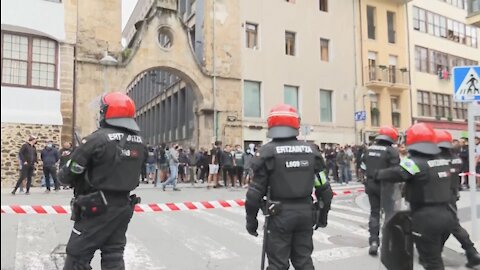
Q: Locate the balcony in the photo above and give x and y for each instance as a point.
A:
(383, 76)
(398, 2)
(473, 9)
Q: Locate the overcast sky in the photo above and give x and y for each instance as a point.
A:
(127, 8)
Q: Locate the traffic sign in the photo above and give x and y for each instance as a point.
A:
(360, 116)
(466, 83)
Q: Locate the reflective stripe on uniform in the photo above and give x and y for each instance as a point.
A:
(410, 166)
(322, 180)
(75, 167)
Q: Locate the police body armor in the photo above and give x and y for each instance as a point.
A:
(379, 157)
(294, 170)
(117, 169)
(455, 169)
(430, 185)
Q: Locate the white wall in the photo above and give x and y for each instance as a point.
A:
(39, 17)
(30, 106)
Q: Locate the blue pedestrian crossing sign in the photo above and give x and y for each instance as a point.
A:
(360, 116)
(466, 83)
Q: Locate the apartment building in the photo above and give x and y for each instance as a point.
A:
(440, 39)
(384, 93)
(308, 63)
(299, 53)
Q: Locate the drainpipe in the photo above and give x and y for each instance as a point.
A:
(409, 62)
(361, 65)
(214, 76)
(74, 93)
(75, 82)
(355, 68)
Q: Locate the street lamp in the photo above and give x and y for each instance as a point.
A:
(370, 94)
(107, 61)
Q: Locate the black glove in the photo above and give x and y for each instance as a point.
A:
(252, 225)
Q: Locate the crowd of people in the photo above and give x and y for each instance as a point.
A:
(219, 166)
(168, 165)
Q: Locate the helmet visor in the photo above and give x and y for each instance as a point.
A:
(127, 123)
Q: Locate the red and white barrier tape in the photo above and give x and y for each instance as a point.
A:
(467, 174)
(143, 208)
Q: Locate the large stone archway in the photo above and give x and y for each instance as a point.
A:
(146, 53)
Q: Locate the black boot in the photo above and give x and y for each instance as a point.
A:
(373, 250)
(14, 191)
(473, 258)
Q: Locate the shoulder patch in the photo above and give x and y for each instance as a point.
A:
(410, 166)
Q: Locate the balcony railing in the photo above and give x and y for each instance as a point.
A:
(388, 75)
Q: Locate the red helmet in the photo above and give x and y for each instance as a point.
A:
(444, 139)
(118, 110)
(283, 122)
(421, 138)
(387, 133)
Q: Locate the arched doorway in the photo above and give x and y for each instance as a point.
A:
(165, 106)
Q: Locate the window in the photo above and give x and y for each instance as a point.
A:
(251, 99)
(471, 36)
(438, 63)
(423, 102)
(324, 50)
(430, 23)
(421, 58)
(289, 43)
(251, 31)
(290, 96)
(391, 26)
(443, 27)
(325, 106)
(459, 110)
(374, 112)
(419, 19)
(28, 61)
(392, 68)
(372, 63)
(371, 21)
(441, 105)
(395, 111)
(323, 5)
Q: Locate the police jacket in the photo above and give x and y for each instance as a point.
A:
(455, 169)
(111, 158)
(428, 179)
(380, 156)
(289, 167)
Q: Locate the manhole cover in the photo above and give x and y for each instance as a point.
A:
(349, 241)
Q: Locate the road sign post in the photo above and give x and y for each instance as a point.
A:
(466, 88)
(472, 176)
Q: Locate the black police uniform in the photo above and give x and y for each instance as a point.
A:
(109, 160)
(458, 231)
(288, 166)
(378, 156)
(429, 192)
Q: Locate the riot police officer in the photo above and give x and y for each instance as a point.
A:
(286, 168)
(379, 156)
(428, 190)
(444, 141)
(103, 171)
